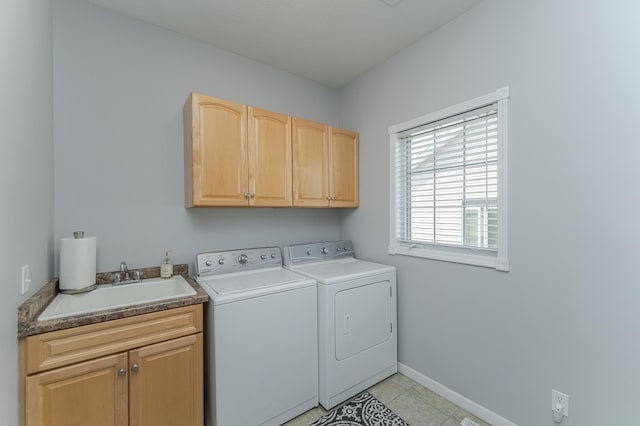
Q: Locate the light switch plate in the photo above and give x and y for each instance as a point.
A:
(26, 280)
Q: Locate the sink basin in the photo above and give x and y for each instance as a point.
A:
(109, 297)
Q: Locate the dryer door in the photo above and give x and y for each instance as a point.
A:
(362, 318)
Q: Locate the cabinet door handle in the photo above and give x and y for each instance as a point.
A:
(122, 372)
(135, 368)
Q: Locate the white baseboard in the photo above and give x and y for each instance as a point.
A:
(453, 396)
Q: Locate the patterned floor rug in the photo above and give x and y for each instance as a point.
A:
(363, 410)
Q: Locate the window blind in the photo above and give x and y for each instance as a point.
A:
(447, 181)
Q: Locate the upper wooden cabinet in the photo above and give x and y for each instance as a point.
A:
(226, 165)
(343, 168)
(325, 165)
(310, 163)
(238, 155)
(269, 158)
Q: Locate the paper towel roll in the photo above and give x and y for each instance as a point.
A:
(77, 263)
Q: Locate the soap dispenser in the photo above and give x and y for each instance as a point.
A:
(166, 268)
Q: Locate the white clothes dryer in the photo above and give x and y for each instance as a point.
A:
(357, 340)
(261, 353)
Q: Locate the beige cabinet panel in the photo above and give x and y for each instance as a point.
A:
(216, 163)
(64, 347)
(269, 158)
(90, 392)
(343, 176)
(325, 165)
(235, 155)
(166, 383)
(310, 164)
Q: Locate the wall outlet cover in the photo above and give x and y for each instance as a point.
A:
(468, 422)
(560, 399)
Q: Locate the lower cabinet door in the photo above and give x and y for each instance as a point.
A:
(92, 392)
(166, 383)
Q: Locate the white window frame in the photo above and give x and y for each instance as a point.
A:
(497, 259)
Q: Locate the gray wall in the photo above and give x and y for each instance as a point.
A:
(567, 315)
(26, 172)
(119, 87)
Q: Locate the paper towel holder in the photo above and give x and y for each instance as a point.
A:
(77, 235)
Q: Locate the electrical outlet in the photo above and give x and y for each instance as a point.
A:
(26, 280)
(468, 422)
(560, 399)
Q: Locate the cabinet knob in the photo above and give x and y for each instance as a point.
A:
(122, 372)
(246, 195)
(252, 195)
(135, 368)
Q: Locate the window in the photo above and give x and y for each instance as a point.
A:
(449, 186)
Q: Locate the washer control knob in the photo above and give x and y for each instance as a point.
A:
(346, 248)
(208, 262)
(273, 255)
(324, 250)
(309, 252)
(221, 261)
(263, 256)
(243, 259)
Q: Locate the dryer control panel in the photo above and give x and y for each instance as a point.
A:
(224, 262)
(314, 252)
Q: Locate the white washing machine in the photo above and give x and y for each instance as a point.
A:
(261, 356)
(357, 340)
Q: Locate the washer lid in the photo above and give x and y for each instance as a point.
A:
(235, 286)
(331, 271)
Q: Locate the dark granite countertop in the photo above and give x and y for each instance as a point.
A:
(29, 311)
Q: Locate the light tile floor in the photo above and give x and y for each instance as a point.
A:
(416, 404)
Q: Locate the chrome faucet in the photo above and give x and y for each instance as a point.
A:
(123, 276)
(125, 270)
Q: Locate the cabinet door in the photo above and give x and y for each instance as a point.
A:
(166, 383)
(310, 164)
(215, 152)
(91, 392)
(269, 158)
(343, 161)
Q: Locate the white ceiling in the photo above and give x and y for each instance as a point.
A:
(328, 41)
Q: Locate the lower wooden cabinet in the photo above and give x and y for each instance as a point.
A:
(91, 392)
(166, 386)
(159, 384)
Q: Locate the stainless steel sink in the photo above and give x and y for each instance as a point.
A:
(110, 297)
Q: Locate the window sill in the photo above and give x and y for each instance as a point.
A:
(488, 261)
